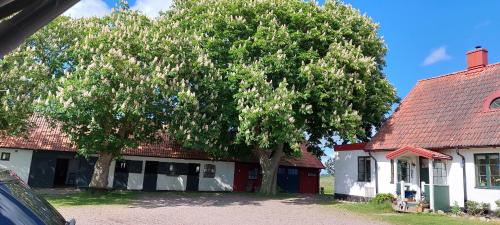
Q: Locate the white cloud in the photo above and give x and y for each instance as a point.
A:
(482, 24)
(436, 55)
(152, 8)
(88, 8)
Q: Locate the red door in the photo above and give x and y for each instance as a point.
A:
(247, 177)
(240, 177)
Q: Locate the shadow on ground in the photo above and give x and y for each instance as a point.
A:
(139, 199)
(174, 199)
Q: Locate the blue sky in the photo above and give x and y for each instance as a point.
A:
(414, 29)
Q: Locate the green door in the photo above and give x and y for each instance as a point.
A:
(424, 170)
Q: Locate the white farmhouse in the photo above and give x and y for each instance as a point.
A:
(441, 145)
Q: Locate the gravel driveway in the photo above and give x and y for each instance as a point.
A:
(217, 209)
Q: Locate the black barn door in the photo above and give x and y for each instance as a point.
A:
(120, 180)
(150, 176)
(288, 179)
(61, 172)
(193, 177)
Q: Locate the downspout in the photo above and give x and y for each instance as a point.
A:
(376, 171)
(464, 178)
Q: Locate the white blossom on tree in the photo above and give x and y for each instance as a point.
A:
(257, 76)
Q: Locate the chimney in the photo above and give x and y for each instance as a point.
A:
(477, 58)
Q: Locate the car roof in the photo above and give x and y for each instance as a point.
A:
(28, 15)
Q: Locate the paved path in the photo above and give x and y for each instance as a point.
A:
(217, 209)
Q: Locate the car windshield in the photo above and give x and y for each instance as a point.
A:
(39, 206)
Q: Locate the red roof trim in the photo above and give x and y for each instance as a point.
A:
(418, 151)
(489, 100)
(350, 147)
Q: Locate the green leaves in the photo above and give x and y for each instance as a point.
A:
(260, 73)
(101, 79)
(217, 74)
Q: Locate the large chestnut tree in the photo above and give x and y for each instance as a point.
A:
(266, 75)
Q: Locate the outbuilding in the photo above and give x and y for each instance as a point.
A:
(46, 159)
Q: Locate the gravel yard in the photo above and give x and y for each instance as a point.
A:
(208, 208)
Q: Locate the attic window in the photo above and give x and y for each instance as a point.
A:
(495, 104)
(492, 102)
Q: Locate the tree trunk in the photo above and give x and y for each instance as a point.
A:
(101, 171)
(269, 161)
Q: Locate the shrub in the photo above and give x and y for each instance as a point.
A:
(455, 209)
(476, 208)
(382, 198)
(498, 207)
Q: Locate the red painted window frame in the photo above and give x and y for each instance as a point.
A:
(489, 100)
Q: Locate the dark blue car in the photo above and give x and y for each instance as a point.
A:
(19, 205)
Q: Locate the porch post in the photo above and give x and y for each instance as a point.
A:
(417, 178)
(431, 183)
(395, 161)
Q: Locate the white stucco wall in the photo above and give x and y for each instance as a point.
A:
(455, 178)
(223, 180)
(346, 174)
(20, 162)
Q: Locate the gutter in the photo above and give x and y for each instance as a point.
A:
(376, 171)
(464, 178)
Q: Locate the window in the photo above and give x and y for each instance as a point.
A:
(168, 169)
(312, 174)
(134, 166)
(487, 170)
(440, 177)
(252, 174)
(495, 104)
(5, 156)
(173, 169)
(403, 171)
(364, 169)
(209, 171)
(293, 171)
(121, 166)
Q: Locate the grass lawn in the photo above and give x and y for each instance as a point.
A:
(86, 198)
(385, 213)
(327, 182)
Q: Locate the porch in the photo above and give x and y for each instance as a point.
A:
(421, 179)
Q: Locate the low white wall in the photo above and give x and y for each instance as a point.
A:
(20, 162)
(171, 183)
(223, 180)
(135, 180)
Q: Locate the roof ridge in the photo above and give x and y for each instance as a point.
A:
(460, 72)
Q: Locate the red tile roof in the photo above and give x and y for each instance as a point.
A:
(418, 151)
(306, 160)
(43, 136)
(444, 112)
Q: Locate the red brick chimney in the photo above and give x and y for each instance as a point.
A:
(477, 58)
